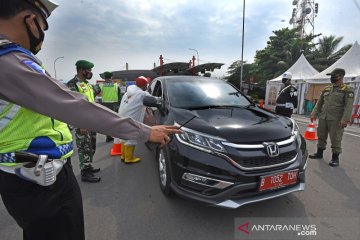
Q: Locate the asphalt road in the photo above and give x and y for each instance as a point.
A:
(128, 204)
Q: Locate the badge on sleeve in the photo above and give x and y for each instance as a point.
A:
(350, 95)
(34, 66)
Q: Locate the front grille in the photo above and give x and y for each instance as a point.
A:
(266, 161)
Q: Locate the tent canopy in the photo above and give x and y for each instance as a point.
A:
(350, 62)
(300, 71)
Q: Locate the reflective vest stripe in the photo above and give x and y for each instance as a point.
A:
(10, 157)
(7, 113)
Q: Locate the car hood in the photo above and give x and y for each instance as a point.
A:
(237, 125)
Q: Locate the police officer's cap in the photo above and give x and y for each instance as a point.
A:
(84, 64)
(107, 74)
(45, 8)
(287, 75)
(336, 71)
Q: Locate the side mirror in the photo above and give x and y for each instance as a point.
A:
(150, 101)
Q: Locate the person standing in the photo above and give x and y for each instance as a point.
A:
(132, 106)
(110, 95)
(37, 184)
(85, 139)
(334, 108)
(287, 100)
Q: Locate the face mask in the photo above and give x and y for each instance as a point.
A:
(333, 79)
(285, 81)
(88, 75)
(35, 43)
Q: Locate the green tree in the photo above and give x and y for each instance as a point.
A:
(234, 72)
(325, 53)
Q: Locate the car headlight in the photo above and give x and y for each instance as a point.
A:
(295, 132)
(200, 141)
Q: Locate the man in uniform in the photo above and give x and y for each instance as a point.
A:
(110, 95)
(37, 183)
(287, 100)
(85, 140)
(334, 108)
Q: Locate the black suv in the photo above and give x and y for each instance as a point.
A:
(231, 152)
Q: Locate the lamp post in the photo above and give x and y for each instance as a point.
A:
(196, 53)
(54, 65)
(242, 47)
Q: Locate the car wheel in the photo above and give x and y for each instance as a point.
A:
(164, 172)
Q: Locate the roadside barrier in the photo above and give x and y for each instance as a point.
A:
(310, 133)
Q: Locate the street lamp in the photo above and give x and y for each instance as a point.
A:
(242, 47)
(54, 65)
(196, 53)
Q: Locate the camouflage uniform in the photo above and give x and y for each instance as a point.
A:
(86, 143)
(335, 104)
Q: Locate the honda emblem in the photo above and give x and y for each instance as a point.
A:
(272, 149)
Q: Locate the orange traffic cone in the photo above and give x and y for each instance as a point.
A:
(310, 133)
(116, 149)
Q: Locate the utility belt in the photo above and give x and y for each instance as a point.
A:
(35, 168)
(286, 105)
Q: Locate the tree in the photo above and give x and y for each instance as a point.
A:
(325, 53)
(234, 72)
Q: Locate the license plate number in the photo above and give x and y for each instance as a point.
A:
(278, 180)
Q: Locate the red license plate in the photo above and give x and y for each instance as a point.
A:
(278, 180)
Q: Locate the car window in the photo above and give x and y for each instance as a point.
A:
(193, 93)
(157, 90)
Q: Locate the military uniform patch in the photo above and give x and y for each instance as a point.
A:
(350, 95)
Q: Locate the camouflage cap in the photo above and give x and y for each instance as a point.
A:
(84, 64)
(340, 71)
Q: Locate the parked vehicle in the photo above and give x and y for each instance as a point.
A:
(231, 152)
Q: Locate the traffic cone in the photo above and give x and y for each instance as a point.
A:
(310, 133)
(116, 148)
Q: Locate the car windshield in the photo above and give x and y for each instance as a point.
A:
(202, 93)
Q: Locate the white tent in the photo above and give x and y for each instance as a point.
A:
(301, 70)
(350, 62)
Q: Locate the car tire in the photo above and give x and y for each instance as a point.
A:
(164, 172)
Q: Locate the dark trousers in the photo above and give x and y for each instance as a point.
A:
(287, 112)
(54, 212)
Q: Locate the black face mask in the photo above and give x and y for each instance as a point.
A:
(333, 79)
(35, 43)
(88, 75)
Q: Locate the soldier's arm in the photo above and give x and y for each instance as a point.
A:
(38, 92)
(318, 106)
(294, 98)
(349, 101)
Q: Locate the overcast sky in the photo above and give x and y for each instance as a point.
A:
(112, 32)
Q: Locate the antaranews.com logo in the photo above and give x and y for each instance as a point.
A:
(297, 228)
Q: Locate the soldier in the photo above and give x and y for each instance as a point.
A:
(110, 95)
(334, 108)
(33, 109)
(85, 140)
(287, 100)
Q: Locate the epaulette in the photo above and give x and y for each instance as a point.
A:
(328, 87)
(344, 87)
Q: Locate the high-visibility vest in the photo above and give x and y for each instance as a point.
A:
(109, 92)
(86, 89)
(24, 130)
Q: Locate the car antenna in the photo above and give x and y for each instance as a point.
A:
(187, 122)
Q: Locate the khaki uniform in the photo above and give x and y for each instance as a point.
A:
(335, 104)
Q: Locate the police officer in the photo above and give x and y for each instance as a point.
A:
(110, 95)
(287, 100)
(334, 108)
(85, 140)
(33, 106)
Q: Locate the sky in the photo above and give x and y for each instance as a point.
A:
(111, 33)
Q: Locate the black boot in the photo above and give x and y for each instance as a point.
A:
(88, 176)
(94, 170)
(318, 154)
(335, 160)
